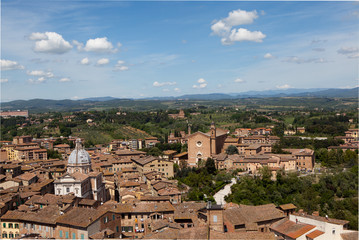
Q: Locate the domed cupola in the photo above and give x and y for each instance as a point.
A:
(79, 160)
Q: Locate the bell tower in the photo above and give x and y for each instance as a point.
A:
(213, 139)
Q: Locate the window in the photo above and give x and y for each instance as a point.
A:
(105, 219)
(82, 236)
(60, 233)
(113, 216)
(4, 225)
(215, 218)
(10, 225)
(127, 229)
(199, 144)
(47, 229)
(4, 235)
(129, 216)
(67, 235)
(11, 235)
(39, 227)
(67, 189)
(73, 235)
(117, 229)
(16, 225)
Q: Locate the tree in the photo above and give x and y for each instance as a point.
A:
(210, 166)
(232, 150)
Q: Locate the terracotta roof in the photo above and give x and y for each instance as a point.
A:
(243, 235)
(323, 219)
(142, 207)
(168, 152)
(291, 229)
(314, 234)
(80, 217)
(62, 146)
(144, 161)
(252, 214)
(287, 206)
(181, 154)
(26, 176)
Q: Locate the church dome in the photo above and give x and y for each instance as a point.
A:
(79, 155)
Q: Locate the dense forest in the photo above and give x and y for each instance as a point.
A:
(334, 194)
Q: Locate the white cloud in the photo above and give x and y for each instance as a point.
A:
(219, 86)
(350, 52)
(40, 73)
(85, 61)
(38, 81)
(37, 36)
(224, 28)
(268, 56)
(119, 44)
(201, 80)
(4, 80)
(285, 86)
(120, 67)
(239, 80)
(65, 79)
(242, 34)
(100, 45)
(202, 83)
(165, 90)
(50, 42)
(75, 98)
(177, 90)
(10, 65)
(78, 44)
(158, 84)
(103, 61)
(298, 60)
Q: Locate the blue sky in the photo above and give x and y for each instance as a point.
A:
(78, 49)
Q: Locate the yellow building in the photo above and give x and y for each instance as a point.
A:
(10, 225)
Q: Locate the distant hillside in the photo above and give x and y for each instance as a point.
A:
(99, 99)
(283, 98)
(336, 93)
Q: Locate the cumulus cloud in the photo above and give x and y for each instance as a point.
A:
(239, 80)
(10, 65)
(50, 42)
(65, 79)
(37, 81)
(202, 84)
(350, 52)
(298, 60)
(177, 90)
(158, 84)
(40, 73)
(285, 86)
(103, 61)
(85, 61)
(99, 45)
(224, 28)
(120, 66)
(78, 45)
(4, 80)
(268, 56)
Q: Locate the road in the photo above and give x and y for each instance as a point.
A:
(219, 196)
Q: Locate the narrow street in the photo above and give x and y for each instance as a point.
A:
(219, 196)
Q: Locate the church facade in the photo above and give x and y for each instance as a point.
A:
(203, 145)
(79, 178)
